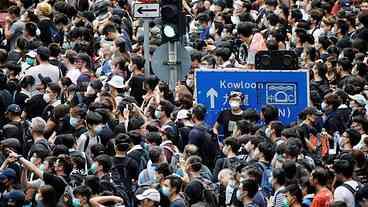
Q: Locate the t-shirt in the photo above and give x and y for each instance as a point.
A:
(228, 120)
(136, 85)
(16, 29)
(56, 182)
(178, 203)
(323, 198)
(46, 70)
(342, 193)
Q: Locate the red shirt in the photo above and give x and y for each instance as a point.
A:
(323, 198)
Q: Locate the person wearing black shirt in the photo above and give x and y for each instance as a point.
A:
(135, 83)
(228, 118)
(58, 181)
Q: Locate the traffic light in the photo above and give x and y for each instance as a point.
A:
(172, 20)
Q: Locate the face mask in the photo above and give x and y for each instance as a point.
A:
(224, 150)
(93, 168)
(38, 197)
(73, 121)
(238, 195)
(99, 129)
(189, 83)
(90, 90)
(166, 191)
(268, 132)
(30, 61)
(42, 168)
(157, 114)
(130, 67)
(234, 104)
(33, 160)
(76, 202)
(46, 98)
(324, 106)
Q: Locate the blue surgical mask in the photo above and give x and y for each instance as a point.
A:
(76, 202)
(99, 129)
(73, 121)
(93, 168)
(165, 191)
(157, 114)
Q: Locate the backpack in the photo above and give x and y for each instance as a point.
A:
(211, 142)
(266, 181)
(142, 159)
(68, 192)
(352, 190)
(55, 34)
(232, 163)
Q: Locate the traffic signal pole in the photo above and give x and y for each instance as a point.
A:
(173, 62)
(146, 30)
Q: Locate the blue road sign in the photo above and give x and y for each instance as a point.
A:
(287, 90)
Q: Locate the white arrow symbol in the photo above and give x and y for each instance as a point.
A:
(212, 93)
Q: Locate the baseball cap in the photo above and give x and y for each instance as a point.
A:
(236, 94)
(43, 51)
(15, 196)
(151, 194)
(116, 81)
(182, 114)
(14, 108)
(9, 174)
(11, 143)
(360, 99)
(313, 110)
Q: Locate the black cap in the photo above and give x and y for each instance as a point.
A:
(43, 51)
(11, 143)
(14, 108)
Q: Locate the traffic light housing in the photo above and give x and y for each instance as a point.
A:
(172, 20)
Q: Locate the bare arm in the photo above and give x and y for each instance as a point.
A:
(27, 164)
(98, 200)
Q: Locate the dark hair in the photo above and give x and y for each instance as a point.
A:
(49, 197)
(151, 82)
(55, 88)
(277, 126)
(244, 126)
(135, 137)
(54, 49)
(246, 28)
(195, 163)
(139, 61)
(83, 190)
(254, 173)
(135, 123)
(279, 175)
(93, 182)
(250, 186)
(232, 142)
(105, 161)
(353, 136)
(199, 111)
(267, 149)
(344, 167)
(108, 28)
(122, 142)
(14, 10)
(166, 107)
(155, 154)
(175, 182)
(270, 113)
(295, 190)
(154, 137)
(164, 169)
(338, 204)
(321, 175)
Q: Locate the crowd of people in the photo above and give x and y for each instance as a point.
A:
(83, 125)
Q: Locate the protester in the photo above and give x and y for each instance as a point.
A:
(83, 124)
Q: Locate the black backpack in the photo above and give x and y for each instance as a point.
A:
(121, 182)
(142, 158)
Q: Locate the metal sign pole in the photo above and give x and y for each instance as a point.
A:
(173, 62)
(146, 30)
